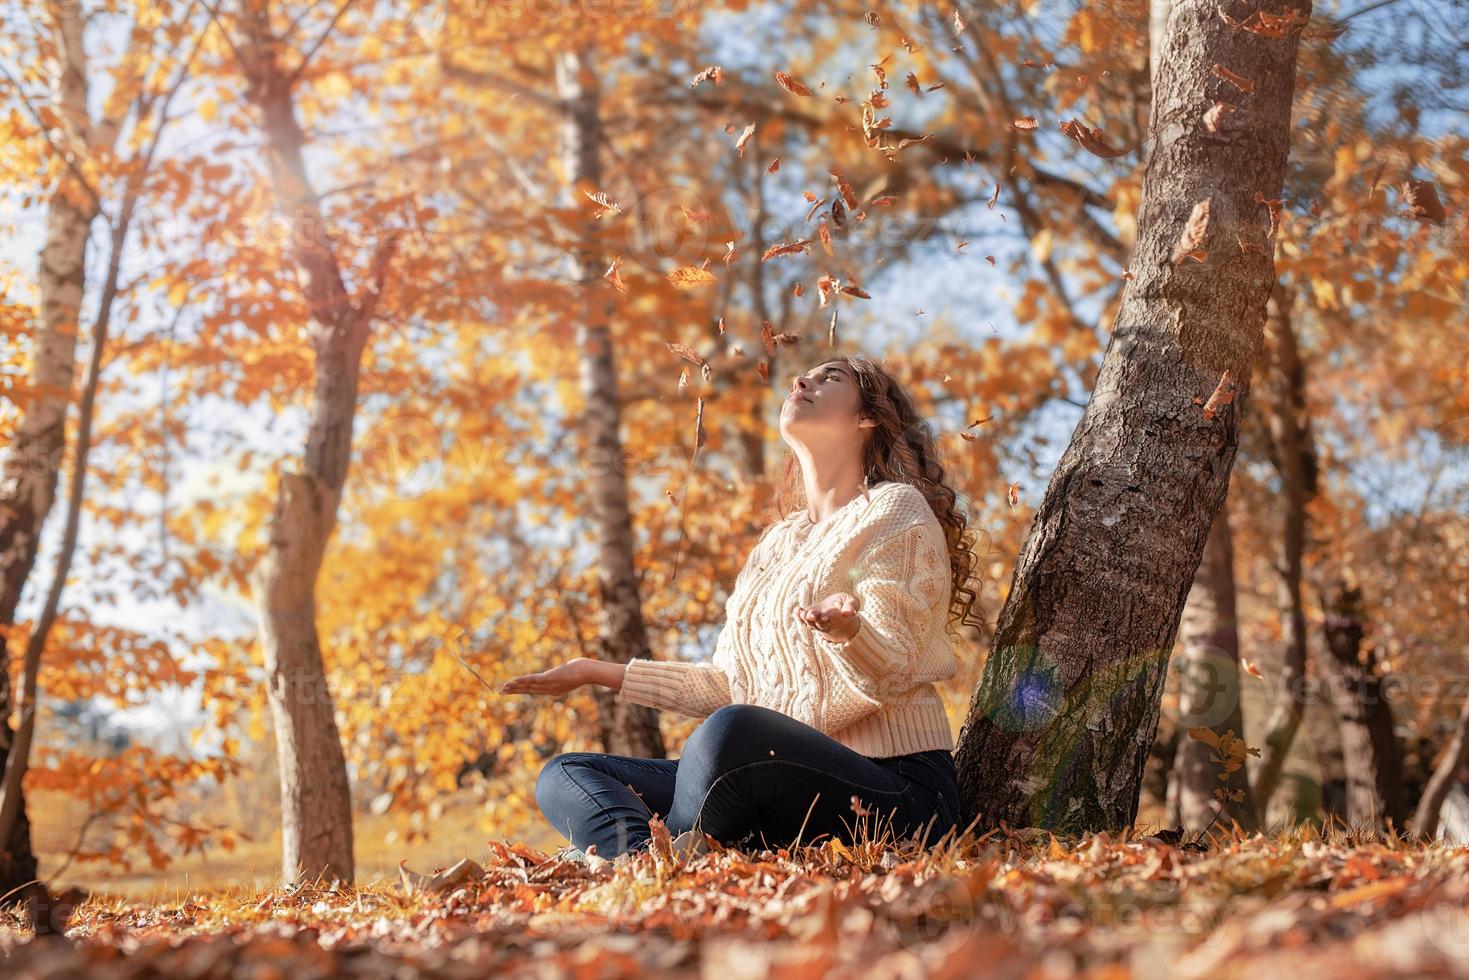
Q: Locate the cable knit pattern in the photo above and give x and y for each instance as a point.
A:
(875, 693)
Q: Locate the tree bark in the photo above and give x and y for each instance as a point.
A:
(316, 802)
(627, 729)
(1293, 453)
(1425, 820)
(1210, 693)
(1370, 753)
(32, 467)
(1067, 708)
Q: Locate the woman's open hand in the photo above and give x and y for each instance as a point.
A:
(557, 680)
(835, 616)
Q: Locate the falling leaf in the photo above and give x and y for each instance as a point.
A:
(1223, 395)
(606, 204)
(713, 74)
(1274, 206)
(798, 289)
(1267, 24)
(774, 166)
(845, 187)
(688, 277)
(990, 259)
(695, 216)
(745, 138)
(855, 291)
(721, 326)
(838, 215)
(911, 80)
(1013, 494)
(786, 248)
(1024, 124)
(614, 277)
(1216, 115)
(958, 22)
(1423, 202)
(1194, 232)
(1238, 81)
(767, 338)
(730, 252)
(994, 197)
(823, 232)
(1092, 140)
(886, 201)
(1249, 667)
(792, 84)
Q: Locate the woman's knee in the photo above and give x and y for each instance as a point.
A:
(728, 735)
(553, 780)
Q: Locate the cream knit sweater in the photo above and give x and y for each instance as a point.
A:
(874, 693)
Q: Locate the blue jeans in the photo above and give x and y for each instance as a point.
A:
(751, 777)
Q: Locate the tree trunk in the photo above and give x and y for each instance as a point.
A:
(627, 729)
(1293, 454)
(33, 464)
(1067, 709)
(1425, 820)
(316, 802)
(1210, 693)
(1370, 752)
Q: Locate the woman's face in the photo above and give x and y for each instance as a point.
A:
(822, 406)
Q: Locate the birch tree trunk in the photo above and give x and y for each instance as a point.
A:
(1293, 454)
(33, 464)
(1067, 709)
(1210, 693)
(316, 803)
(1370, 751)
(627, 729)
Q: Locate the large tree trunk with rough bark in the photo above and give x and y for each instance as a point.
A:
(1370, 752)
(627, 729)
(1067, 709)
(1426, 818)
(1209, 695)
(33, 463)
(316, 801)
(1293, 454)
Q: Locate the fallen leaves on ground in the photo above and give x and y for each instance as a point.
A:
(1013, 903)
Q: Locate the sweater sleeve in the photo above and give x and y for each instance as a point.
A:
(688, 689)
(901, 586)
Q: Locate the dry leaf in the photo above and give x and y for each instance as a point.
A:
(1024, 124)
(1216, 115)
(614, 277)
(745, 138)
(792, 84)
(713, 74)
(1223, 395)
(1195, 230)
(1092, 140)
(1238, 81)
(845, 187)
(1423, 202)
(605, 204)
(689, 277)
(786, 248)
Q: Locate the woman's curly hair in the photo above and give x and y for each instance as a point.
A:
(901, 448)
